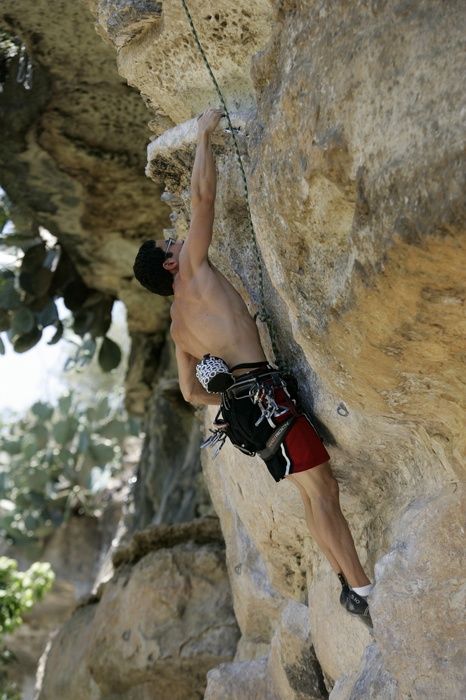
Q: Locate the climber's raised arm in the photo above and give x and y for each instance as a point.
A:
(203, 190)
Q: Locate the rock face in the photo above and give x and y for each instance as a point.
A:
(72, 156)
(290, 670)
(80, 554)
(169, 487)
(160, 623)
(351, 128)
(78, 170)
(410, 579)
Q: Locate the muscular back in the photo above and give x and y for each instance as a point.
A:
(209, 316)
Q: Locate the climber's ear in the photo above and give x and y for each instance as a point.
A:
(170, 264)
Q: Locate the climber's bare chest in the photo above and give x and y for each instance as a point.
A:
(209, 316)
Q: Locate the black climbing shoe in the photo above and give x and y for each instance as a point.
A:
(345, 589)
(357, 605)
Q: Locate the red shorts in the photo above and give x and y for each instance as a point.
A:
(301, 448)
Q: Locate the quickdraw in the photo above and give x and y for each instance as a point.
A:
(215, 440)
(264, 398)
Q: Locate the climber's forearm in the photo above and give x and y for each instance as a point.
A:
(204, 175)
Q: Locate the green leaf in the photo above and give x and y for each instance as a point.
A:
(90, 414)
(31, 521)
(64, 403)
(19, 239)
(64, 430)
(48, 315)
(28, 446)
(3, 218)
(20, 591)
(66, 460)
(109, 355)
(33, 258)
(42, 410)
(83, 476)
(102, 454)
(36, 282)
(75, 294)
(83, 441)
(64, 274)
(58, 334)
(102, 319)
(23, 321)
(37, 480)
(134, 426)
(2, 347)
(5, 524)
(13, 447)
(4, 320)
(9, 297)
(41, 435)
(21, 539)
(83, 321)
(36, 304)
(114, 430)
(38, 499)
(25, 342)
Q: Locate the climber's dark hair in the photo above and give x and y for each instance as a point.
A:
(149, 271)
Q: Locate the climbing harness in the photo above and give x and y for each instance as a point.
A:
(263, 315)
(257, 389)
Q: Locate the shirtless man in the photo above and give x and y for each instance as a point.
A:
(210, 318)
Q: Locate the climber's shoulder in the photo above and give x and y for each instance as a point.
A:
(194, 276)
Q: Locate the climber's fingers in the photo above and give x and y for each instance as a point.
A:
(208, 120)
(212, 109)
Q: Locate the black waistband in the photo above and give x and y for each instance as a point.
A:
(243, 384)
(250, 365)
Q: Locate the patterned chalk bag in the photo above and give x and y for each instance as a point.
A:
(214, 374)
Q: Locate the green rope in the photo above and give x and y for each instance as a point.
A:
(263, 315)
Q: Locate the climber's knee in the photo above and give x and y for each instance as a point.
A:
(319, 483)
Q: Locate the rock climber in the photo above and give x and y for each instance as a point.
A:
(221, 362)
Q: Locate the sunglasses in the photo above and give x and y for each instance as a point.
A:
(170, 241)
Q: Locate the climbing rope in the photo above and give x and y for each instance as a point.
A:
(263, 315)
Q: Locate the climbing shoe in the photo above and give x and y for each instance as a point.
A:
(357, 605)
(345, 589)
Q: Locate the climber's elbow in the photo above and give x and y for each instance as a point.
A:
(188, 395)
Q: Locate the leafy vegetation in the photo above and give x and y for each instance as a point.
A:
(10, 47)
(19, 591)
(28, 294)
(57, 460)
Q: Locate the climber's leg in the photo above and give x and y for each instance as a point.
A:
(330, 524)
(313, 529)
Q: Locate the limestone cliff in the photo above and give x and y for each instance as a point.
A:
(350, 121)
